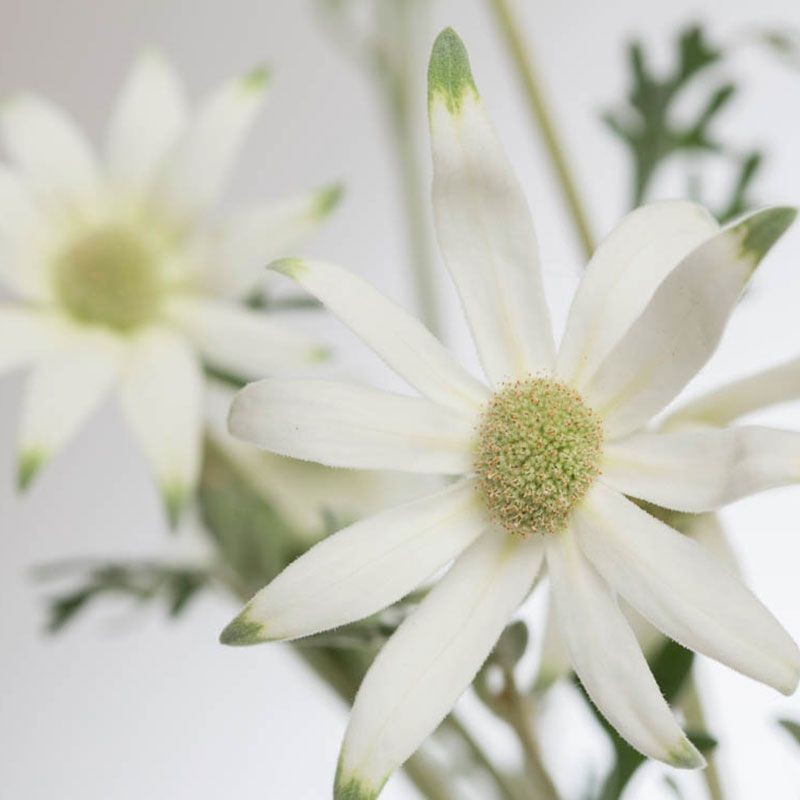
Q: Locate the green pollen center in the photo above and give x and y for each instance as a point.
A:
(110, 277)
(539, 450)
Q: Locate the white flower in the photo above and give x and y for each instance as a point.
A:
(122, 278)
(546, 454)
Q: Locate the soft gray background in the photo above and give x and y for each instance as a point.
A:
(128, 707)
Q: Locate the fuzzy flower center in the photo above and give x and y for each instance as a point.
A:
(538, 452)
(110, 277)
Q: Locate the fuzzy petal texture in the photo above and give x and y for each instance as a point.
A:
(608, 659)
(403, 342)
(484, 225)
(52, 153)
(702, 470)
(621, 278)
(778, 384)
(240, 342)
(684, 590)
(200, 163)
(432, 658)
(345, 425)
(681, 327)
(161, 397)
(148, 118)
(63, 390)
(250, 239)
(363, 568)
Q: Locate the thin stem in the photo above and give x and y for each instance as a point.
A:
(695, 718)
(537, 105)
(520, 718)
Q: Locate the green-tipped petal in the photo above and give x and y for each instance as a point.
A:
(449, 73)
(176, 497)
(761, 230)
(28, 466)
(257, 79)
(326, 199)
(350, 787)
(243, 631)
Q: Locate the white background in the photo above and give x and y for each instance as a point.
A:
(128, 706)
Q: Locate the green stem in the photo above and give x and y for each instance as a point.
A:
(696, 719)
(537, 105)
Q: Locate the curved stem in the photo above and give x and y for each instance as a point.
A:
(695, 718)
(537, 105)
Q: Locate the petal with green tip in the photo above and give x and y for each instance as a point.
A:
(484, 226)
(682, 325)
(161, 394)
(243, 631)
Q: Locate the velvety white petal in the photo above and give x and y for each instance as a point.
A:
(25, 336)
(554, 661)
(707, 530)
(363, 568)
(621, 278)
(245, 343)
(50, 150)
(203, 158)
(250, 239)
(148, 118)
(403, 342)
(779, 384)
(432, 658)
(484, 225)
(681, 327)
(64, 388)
(161, 396)
(684, 590)
(702, 470)
(345, 425)
(608, 659)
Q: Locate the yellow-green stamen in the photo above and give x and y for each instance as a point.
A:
(538, 452)
(111, 277)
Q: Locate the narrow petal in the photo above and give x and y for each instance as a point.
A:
(685, 591)
(403, 342)
(162, 399)
(621, 278)
(681, 327)
(432, 658)
(53, 154)
(244, 343)
(26, 336)
(345, 425)
(203, 159)
(63, 390)
(608, 659)
(149, 116)
(702, 470)
(554, 662)
(363, 569)
(779, 384)
(483, 223)
(250, 239)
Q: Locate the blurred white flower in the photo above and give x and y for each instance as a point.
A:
(546, 455)
(122, 278)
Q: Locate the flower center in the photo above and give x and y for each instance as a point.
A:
(539, 450)
(110, 277)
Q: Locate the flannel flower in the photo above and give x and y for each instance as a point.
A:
(121, 277)
(548, 454)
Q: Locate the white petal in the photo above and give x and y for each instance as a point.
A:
(685, 591)
(608, 659)
(483, 223)
(681, 327)
(423, 669)
(250, 239)
(702, 470)
(149, 116)
(242, 342)
(621, 278)
(203, 158)
(554, 662)
(707, 530)
(54, 155)
(25, 336)
(63, 390)
(162, 400)
(403, 342)
(345, 425)
(779, 384)
(363, 569)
